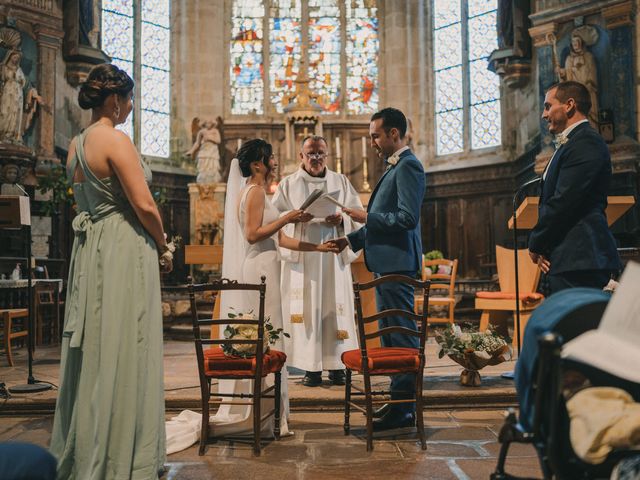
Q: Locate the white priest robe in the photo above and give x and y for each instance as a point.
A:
(317, 294)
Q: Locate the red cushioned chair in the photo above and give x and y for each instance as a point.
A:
(213, 363)
(385, 361)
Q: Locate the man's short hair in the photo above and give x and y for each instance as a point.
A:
(575, 90)
(392, 118)
(313, 138)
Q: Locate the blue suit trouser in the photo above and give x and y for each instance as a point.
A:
(398, 295)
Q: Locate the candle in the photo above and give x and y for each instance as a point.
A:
(364, 147)
(239, 144)
(337, 147)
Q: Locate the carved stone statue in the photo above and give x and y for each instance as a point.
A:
(206, 151)
(580, 65)
(18, 100)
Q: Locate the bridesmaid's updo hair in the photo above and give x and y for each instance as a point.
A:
(103, 80)
(256, 150)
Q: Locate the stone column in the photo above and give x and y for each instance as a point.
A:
(49, 41)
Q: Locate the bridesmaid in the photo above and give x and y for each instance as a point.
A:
(109, 419)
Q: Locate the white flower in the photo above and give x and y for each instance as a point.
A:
(560, 140)
(393, 159)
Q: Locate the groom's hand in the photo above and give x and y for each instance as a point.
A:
(356, 214)
(339, 243)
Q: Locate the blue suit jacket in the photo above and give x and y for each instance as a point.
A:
(572, 230)
(391, 237)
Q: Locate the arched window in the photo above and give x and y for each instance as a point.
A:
(340, 37)
(136, 35)
(467, 95)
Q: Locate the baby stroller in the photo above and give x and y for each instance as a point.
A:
(540, 373)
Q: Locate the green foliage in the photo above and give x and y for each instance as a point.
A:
(56, 182)
(159, 195)
(249, 332)
(433, 255)
(454, 341)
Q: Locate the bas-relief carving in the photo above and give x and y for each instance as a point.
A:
(580, 64)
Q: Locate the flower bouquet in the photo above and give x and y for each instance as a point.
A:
(249, 332)
(473, 351)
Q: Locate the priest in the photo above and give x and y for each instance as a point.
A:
(317, 295)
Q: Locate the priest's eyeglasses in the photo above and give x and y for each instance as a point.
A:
(315, 156)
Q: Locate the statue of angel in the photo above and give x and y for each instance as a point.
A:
(206, 151)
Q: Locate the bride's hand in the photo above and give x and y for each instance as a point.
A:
(328, 247)
(297, 216)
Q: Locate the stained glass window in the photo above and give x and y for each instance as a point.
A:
(285, 35)
(341, 38)
(247, 70)
(467, 95)
(324, 52)
(362, 57)
(143, 52)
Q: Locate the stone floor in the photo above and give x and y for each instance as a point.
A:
(461, 445)
(441, 386)
(462, 424)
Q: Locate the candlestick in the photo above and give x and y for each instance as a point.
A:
(365, 174)
(364, 147)
(338, 159)
(239, 144)
(338, 147)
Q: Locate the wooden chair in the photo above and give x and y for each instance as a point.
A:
(8, 315)
(385, 361)
(442, 287)
(213, 363)
(46, 304)
(498, 306)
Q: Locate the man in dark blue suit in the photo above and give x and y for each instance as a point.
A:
(572, 242)
(391, 241)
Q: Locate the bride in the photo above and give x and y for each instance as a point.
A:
(252, 232)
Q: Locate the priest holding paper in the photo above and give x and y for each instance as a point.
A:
(317, 297)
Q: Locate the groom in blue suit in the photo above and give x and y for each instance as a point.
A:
(391, 241)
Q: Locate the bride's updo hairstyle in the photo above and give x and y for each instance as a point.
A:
(256, 150)
(103, 80)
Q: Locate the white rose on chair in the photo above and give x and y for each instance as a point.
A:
(249, 332)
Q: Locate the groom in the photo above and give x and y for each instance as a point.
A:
(391, 241)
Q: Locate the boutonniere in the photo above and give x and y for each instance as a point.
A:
(392, 161)
(560, 140)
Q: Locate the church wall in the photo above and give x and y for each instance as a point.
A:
(199, 48)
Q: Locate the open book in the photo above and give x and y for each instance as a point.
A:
(615, 345)
(321, 204)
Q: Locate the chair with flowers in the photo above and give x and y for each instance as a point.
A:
(442, 274)
(385, 361)
(498, 306)
(243, 353)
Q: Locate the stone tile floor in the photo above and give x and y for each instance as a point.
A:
(462, 425)
(441, 384)
(462, 445)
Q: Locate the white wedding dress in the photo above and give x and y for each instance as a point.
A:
(245, 263)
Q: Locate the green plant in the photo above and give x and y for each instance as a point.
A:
(59, 186)
(159, 195)
(433, 255)
(454, 341)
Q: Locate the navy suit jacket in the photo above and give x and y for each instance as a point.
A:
(572, 230)
(391, 237)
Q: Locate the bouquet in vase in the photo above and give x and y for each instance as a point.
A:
(473, 351)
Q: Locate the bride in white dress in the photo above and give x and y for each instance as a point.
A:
(252, 232)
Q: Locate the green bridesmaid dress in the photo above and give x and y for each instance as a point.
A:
(109, 420)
